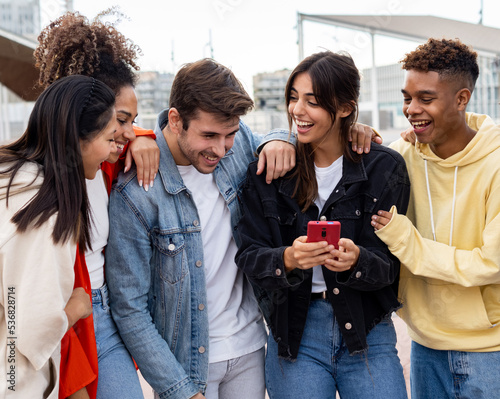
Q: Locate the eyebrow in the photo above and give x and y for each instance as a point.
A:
(420, 92)
(307, 94)
(124, 112)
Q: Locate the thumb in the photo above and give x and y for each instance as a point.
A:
(261, 164)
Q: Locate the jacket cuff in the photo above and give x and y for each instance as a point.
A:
(277, 134)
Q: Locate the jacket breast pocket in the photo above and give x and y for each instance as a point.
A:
(170, 249)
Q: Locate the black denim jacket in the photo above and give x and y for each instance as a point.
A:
(271, 221)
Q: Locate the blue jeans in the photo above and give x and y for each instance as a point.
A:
(241, 378)
(324, 365)
(453, 374)
(117, 374)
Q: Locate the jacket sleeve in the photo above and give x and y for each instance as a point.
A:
(377, 267)
(128, 275)
(38, 281)
(260, 255)
(424, 257)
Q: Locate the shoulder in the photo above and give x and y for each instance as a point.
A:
(379, 153)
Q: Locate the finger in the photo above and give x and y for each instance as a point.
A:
(270, 168)
(140, 171)
(128, 161)
(261, 163)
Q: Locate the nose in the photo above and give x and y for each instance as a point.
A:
(411, 108)
(297, 108)
(129, 133)
(112, 147)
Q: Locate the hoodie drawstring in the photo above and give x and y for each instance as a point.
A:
(453, 204)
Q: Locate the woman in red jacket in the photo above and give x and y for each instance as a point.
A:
(73, 45)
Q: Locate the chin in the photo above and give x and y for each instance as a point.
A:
(112, 158)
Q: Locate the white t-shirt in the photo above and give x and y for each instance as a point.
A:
(235, 324)
(327, 179)
(99, 229)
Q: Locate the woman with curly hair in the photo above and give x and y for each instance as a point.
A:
(72, 45)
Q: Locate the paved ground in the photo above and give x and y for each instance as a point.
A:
(403, 350)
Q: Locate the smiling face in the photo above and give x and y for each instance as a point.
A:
(434, 108)
(97, 150)
(314, 123)
(205, 142)
(126, 113)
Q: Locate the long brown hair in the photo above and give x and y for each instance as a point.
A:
(336, 83)
(73, 109)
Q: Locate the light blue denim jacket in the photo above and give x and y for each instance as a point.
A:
(155, 270)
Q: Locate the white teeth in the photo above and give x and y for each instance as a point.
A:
(120, 146)
(303, 124)
(419, 123)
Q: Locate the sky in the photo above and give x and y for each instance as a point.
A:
(254, 36)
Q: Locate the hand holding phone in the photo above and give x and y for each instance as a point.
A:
(324, 231)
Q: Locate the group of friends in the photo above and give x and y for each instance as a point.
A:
(183, 251)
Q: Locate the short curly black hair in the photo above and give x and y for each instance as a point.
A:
(72, 45)
(449, 58)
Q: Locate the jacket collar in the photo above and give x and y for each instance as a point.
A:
(169, 174)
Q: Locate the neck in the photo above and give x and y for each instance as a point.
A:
(173, 145)
(327, 152)
(454, 143)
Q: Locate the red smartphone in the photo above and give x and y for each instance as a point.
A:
(324, 231)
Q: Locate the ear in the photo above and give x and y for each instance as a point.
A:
(346, 109)
(174, 121)
(463, 97)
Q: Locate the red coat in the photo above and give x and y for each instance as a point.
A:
(78, 346)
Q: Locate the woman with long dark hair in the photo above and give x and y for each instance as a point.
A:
(95, 361)
(44, 215)
(329, 310)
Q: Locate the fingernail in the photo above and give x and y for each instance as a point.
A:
(151, 183)
(125, 170)
(146, 187)
(140, 183)
(355, 148)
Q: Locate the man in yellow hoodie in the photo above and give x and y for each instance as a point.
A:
(449, 242)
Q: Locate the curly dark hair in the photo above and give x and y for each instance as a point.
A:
(71, 45)
(449, 58)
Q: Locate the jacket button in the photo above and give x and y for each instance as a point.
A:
(171, 247)
(358, 212)
(195, 223)
(201, 349)
(375, 200)
(201, 306)
(278, 272)
(336, 291)
(323, 218)
(348, 326)
(358, 274)
(198, 263)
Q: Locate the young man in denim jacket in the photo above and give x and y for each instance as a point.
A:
(183, 309)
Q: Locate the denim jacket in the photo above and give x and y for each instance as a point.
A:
(155, 269)
(272, 219)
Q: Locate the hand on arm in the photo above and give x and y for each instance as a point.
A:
(277, 158)
(361, 137)
(146, 155)
(305, 255)
(79, 306)
(381, 219)
(409, 135)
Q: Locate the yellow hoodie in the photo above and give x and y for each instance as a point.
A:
(450, 278)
